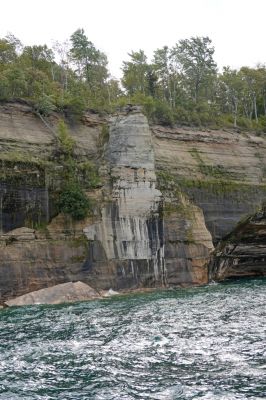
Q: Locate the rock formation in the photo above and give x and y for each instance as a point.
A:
(63, 293)
(166, 195)
(142, 243)
(243, 252)
(130, 232)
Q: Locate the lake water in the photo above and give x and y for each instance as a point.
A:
(200, 343)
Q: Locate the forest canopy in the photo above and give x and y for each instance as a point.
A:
(179, 85)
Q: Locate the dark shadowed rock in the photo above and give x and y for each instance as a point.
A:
(63, 293)
(243, 252)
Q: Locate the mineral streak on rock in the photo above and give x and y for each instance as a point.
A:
(131, 228)
(141, 233)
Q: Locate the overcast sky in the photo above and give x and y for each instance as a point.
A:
(236, 27)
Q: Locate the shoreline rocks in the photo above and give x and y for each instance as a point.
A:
(62, 293)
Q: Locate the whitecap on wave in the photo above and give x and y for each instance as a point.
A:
(172, 393)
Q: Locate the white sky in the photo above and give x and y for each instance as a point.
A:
(236, 27)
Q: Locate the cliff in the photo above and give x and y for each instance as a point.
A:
(164, 197)
(243, 251)
(221, 171)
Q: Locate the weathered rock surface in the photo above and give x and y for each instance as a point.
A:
(35, 259)
(63, 293)
(19, 234)
(223, 172)
(188, 245)
(166, 196)
(23, 135)
(28, 172)
(130, 232)
(243, 252)
(135, 238)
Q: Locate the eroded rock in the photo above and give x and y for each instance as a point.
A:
(243, 251)
(19, 234)
(63, 293)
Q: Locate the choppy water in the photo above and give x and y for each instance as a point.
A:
(204, 343)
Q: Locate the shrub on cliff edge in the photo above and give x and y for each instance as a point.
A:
(74, 202)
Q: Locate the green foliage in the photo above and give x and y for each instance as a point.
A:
(90, 62)
(4, 87)
(74, 106)
(262, 123)
(195, 58)
(90, 176)
(72, 198)
(7, 52)
(180, 85)
(221, 186)
(214, 171)
(66, 142)
(156, 111)
(45, 105)
(136, 73)
(104, 136)
(163, 114)
(74, 202)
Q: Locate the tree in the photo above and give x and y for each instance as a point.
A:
(113, 90)
(135, 73)
(161, 64)
(231, 91)
(195, 58)
(62, 50)
(91, 63)
(261, 71)
(7, 53)
(15, 42)
(38, 57)
(253, 84)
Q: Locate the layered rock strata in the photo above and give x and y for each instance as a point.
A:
(166, 195)
(130, 232)
(243, 252)
(222, 171)
(144, 244)
(29, 170)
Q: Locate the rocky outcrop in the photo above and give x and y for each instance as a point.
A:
(141, 246)
(130, 231)
(64, 293)
(188, 245)
(243, 252)
(29, 172)
(26, 136)
(31, 259)
(223, 172)
(165, 196)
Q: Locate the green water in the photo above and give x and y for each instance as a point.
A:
(203, 343)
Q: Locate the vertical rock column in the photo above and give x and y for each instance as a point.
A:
(131, 230)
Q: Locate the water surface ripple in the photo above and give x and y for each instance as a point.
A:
(200, 343)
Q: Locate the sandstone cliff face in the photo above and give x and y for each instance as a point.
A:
(222, 172)
(130, 231)
(243, 252)
(166, 195)
(142, 245)
(28, 171)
